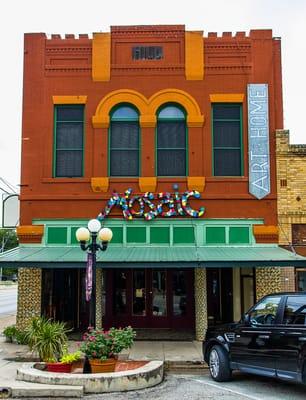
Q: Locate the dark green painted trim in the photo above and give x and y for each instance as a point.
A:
(159, 234)
(136, 234)
(57, 235)
(183, 235)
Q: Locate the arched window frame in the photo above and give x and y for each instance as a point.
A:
(169, 119)
(110, 149)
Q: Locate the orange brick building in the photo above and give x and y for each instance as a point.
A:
(186, 117)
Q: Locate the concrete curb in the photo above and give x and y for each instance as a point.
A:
(146, 376)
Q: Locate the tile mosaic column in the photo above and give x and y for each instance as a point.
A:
(98, 298)
(200, 296)
(268, 280)
(29, 296)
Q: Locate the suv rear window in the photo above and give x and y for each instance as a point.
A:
(295, 310)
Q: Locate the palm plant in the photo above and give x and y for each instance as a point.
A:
(48, 338)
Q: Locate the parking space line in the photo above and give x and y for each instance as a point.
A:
(228, 390)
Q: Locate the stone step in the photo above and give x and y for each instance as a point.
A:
(31, 390)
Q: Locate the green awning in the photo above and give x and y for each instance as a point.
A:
(150, 256)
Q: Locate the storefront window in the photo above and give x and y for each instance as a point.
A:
(120, 292)
(179, 292)
(139, 292)
(301, 279)
(159, 300)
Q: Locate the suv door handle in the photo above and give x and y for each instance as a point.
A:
(263, 336)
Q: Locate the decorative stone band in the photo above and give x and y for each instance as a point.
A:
(30, 233)
(265, 233)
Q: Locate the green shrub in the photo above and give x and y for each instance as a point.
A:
(69, 358)
(10, 333)
(21, 337)
(48, 338)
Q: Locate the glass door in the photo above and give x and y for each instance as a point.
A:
(150, 298)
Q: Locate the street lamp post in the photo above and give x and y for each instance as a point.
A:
(91, 234)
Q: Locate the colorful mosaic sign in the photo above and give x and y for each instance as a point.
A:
(143, 206)
(259, 156)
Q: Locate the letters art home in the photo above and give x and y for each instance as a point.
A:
(167, 136)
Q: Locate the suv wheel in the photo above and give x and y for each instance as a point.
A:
(219, 364)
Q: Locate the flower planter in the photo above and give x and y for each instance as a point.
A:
(98, 366)
(58, 367)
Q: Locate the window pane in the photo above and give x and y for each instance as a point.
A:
(124, 163)
(124, 135)
(295, 310)
(226, 112)
(159, 295)
(227, 134)
(71, 113)
(120, 290)
(125, 112)
(68, 163)
(265, 312)
(171, 134)
(69, 129)
(179, 291)
(171, 163)
(301, 280)
(171, 112)
(139, 292)
(69, 135)
(227, 162)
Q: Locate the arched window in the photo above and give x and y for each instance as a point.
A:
(124, 141)
(171, 141)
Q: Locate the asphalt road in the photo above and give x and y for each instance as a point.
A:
(202, 387)
(8, 300)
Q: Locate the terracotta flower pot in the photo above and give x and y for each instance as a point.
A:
(98, 366)
(58, 367)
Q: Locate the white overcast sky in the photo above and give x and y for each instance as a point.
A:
(287, 18)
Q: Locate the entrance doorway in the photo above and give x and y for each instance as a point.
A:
(149, 298)
(219, 295)
(63, 297)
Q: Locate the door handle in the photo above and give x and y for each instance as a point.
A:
(263, 336)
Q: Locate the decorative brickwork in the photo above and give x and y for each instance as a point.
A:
(288, 279)
(200, 293)
(29, 296)
(268, 280)
(99, 298)
(291, 188)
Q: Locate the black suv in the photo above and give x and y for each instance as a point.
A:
(270, 340)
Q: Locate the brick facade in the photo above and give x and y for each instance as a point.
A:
(291, 188)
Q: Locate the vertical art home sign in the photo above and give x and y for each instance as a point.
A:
(259, 155)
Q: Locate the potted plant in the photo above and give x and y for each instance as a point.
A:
(49, 339)
(101, 347)
(75, 360)
(10, 333)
